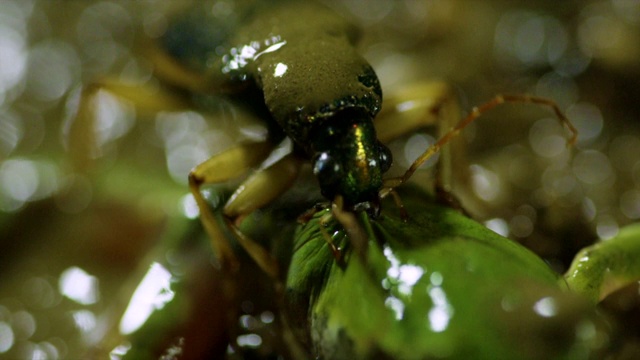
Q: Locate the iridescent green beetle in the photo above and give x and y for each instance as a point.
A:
(294, 65)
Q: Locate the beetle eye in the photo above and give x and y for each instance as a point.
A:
(327, 170)
(386, 159)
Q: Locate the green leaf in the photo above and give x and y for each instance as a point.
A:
(437, 285)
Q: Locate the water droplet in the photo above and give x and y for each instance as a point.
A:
(592, 167)
(498, 226)
(249, 340)
(589, 209)
(267, 317)
(521, 226)
(79, 286)
(547, 138)
(416, 145)
(546, 307)
(587, 118)
(53, 68)
(24, 324)
(623, 152)
(189, 206)
(6, 337)
(630, 204)
(486, 184)
(607, 227)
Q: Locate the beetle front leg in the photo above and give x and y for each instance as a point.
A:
(259, 189)
(220, 168)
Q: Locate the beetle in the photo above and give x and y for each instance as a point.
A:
(295, 66)
(339, 132)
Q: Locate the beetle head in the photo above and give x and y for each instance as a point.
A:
(349, 160)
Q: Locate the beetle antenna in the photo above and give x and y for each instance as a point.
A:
(475, 113)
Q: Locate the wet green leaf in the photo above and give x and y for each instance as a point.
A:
(439, 285)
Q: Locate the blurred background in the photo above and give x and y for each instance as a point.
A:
(74, 245)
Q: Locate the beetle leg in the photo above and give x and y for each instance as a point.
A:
(396, 198)
(259, 189)
(263, 186)
(475, 113)
(419, 106)
(335, 250)
(80, 131)
(220, 168)
(307, 215)
(357, 235)
(170, 70)
(416, 107)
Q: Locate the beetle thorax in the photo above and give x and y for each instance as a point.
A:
(348, 159)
